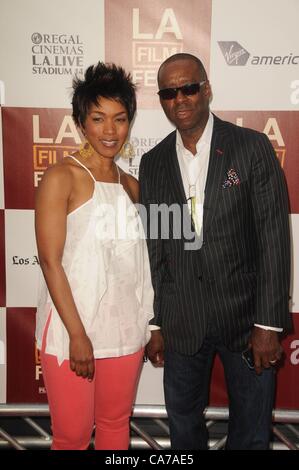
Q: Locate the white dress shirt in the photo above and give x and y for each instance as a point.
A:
(194, 168)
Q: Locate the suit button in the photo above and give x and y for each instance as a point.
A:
(200, 278)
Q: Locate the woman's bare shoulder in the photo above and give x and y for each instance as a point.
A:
(59, 175)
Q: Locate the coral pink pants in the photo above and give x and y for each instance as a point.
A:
(76, 405)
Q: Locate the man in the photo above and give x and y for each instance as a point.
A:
(231, 291)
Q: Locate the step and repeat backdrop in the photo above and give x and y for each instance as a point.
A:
(251, 53)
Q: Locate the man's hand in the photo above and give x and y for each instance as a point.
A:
(155, 349)
(265, 347)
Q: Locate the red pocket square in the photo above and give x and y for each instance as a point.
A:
(232, 179)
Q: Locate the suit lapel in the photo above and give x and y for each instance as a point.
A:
(173, 172)
(216, 172)
(174, 177)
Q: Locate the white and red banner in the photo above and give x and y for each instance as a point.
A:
(251, 53)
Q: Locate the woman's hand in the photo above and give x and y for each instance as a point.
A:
(81, 356)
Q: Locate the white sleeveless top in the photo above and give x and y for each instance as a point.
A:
(106, 262)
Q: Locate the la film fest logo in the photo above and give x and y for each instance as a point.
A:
(48, 150)
(236, 55)
(150, 47)
(273, 132)
(38, 370)
(57, 54)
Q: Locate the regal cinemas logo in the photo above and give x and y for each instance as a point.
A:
(57, 54)
(151, 48)
(140, 145)
(49, 150)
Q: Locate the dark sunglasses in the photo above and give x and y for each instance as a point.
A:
(187, 90)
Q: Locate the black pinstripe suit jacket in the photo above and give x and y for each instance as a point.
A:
(241, 274)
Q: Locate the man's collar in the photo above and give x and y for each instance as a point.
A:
(204, 139)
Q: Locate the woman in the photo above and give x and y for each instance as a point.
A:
(96, 297)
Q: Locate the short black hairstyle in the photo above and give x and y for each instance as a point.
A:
(102, 80)
(185, 56)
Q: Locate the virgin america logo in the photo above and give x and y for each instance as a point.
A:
(234, 53)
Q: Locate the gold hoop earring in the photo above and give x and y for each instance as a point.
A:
(86, 149)
(127, 151)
